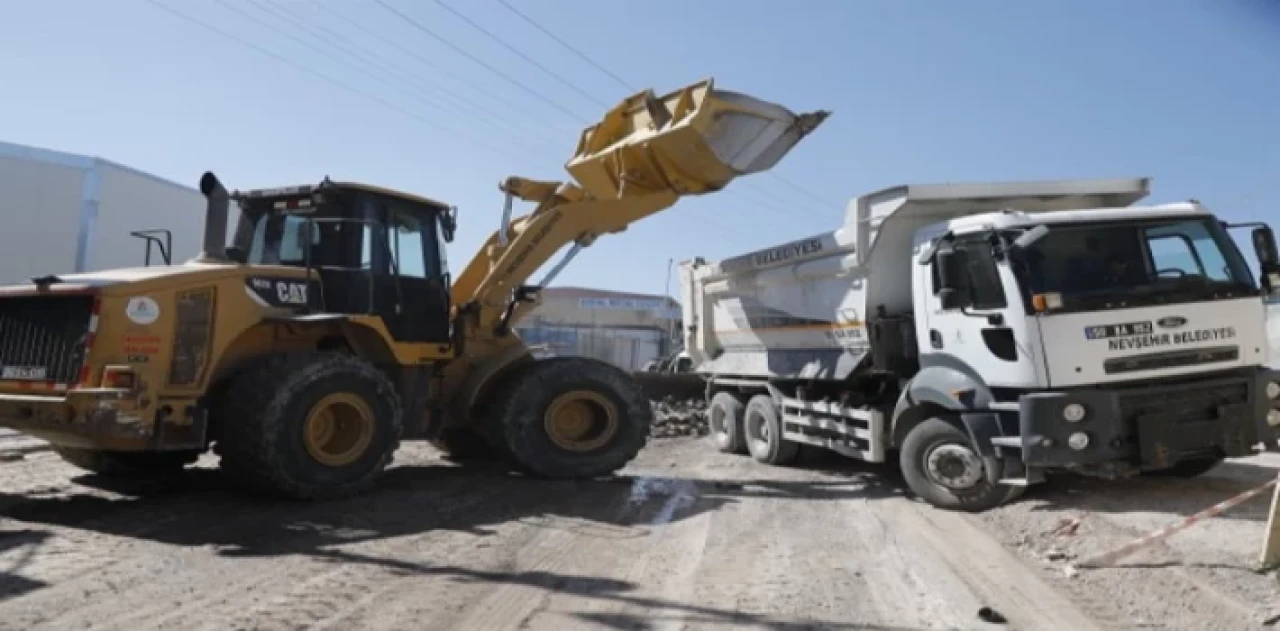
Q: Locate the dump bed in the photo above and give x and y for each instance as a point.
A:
(799, 309)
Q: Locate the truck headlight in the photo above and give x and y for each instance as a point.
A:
(1073, 413)
(1273, 418)
(1078, 441)
(1273, 390)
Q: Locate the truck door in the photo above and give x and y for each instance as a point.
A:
(990, 337)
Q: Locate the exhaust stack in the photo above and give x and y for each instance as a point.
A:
(215, 218)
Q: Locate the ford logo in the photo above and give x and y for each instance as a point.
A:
(1171, 322)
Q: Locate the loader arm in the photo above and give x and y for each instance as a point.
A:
(640, 159)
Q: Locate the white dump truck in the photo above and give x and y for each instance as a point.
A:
(987, 333)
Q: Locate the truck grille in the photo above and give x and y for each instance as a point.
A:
(1187, 404)
(44, 338)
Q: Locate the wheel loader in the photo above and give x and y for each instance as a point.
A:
(328, 328)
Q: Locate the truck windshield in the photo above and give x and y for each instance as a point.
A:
(1104, 260)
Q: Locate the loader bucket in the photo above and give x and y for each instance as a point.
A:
(692, 141)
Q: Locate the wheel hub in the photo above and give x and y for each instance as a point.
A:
(581, 420)
(338, 429)
(954, 466)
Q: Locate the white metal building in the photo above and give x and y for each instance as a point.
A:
(70, 213)
(624, 329)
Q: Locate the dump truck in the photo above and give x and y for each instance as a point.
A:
(985, 335)
(330, 328)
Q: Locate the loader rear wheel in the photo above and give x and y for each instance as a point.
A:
(572, 417)
(310, 426)
(724, 415)
(127, 464)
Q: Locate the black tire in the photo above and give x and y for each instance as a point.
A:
(262, 438)
(724, 418)
(982, 494)
(614, 401)
(762, 433)
(1187, 468)
(128, 464)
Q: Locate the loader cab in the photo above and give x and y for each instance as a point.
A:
(375, 252)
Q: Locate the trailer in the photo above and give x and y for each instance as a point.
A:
(69, 213)
(984, 335)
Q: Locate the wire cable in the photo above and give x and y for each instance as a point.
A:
(432, 34)
(497, 98)
(327, 79)
(457, 104)
(518, 53)
(568, 46)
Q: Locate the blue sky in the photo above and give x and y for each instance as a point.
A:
(1186, 92)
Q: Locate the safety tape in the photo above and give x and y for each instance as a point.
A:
(1163, 533)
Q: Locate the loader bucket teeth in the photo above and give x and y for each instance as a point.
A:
(692, 141)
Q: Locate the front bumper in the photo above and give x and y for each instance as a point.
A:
(90, 418)
(1149, 427)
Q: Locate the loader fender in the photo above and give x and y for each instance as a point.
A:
(485, 374)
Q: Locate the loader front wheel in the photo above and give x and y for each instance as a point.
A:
(573, 417)
(310, 426)
(127, 464)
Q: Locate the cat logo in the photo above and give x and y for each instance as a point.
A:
(291, 293)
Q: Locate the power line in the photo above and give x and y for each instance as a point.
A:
(791, 209)
(567, 46)
(496, 97)
(303, 42)
(798, 188)
(481, 62)
(323, 77)
(454, 103)
(520, 54)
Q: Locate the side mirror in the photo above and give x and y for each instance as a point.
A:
(1264, 244)
(953, 278)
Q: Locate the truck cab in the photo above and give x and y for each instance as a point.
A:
(992, 333)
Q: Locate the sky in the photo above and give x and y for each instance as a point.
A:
(279, 92)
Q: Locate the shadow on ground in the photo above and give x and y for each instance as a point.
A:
(199, 509)
(1145, 494)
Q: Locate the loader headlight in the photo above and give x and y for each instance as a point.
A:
(1073, 413)
(1078, 441)
(1273, 390)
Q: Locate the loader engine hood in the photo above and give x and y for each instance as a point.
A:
(107, 278)
(1152, 342)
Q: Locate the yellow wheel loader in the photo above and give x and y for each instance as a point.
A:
(330, 329)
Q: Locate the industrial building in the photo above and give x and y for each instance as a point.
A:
(72, 213)
(624, 329)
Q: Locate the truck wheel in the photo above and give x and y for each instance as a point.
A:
(310, 426)
(127, 464)
(724, 415)
(762, 431)
(1187, 468)
(572, 417)
(942, 467)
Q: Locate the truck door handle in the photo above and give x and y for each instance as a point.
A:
(935, 338)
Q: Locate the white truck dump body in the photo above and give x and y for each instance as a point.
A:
(799, 309)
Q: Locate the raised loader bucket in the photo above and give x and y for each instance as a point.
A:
(692, 141)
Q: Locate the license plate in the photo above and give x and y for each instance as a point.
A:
(26, 373)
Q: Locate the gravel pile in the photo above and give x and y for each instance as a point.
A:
(675, 417)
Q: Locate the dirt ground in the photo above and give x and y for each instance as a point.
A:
(684, 539)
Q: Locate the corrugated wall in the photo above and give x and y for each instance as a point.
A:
(130, 201)
(41, 204)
